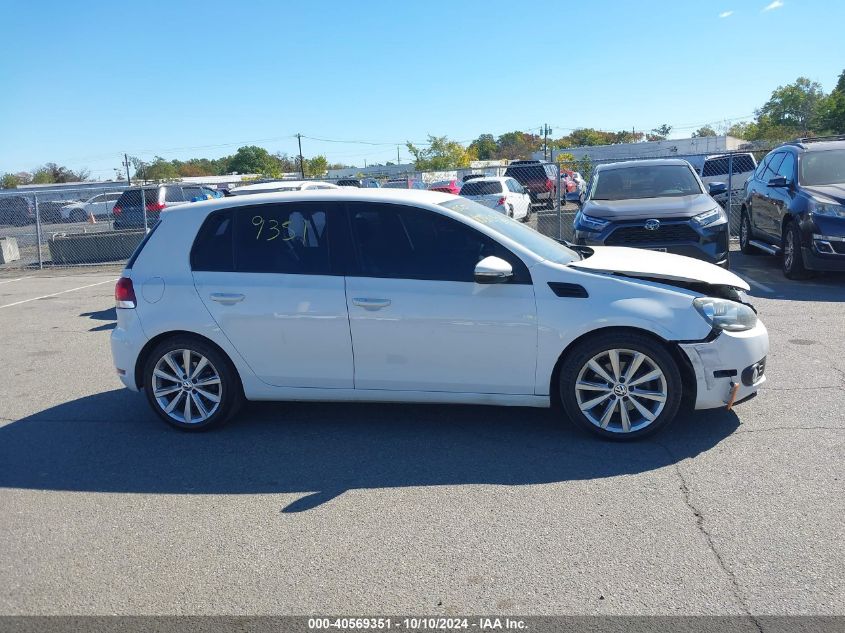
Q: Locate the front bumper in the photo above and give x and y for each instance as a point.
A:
(682, 237)
(730, 359)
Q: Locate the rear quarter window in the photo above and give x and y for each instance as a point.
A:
(484, 188)
(212, 250)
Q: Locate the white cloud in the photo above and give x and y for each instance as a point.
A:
(726, 14)
(777, 4)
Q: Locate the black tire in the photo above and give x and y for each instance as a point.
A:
(77, 215)
(657, 356)
(793, 258)
(230, 392)
(510, 211)
(745, 235)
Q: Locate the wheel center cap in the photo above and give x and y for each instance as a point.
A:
(620, 390)
(186, 385)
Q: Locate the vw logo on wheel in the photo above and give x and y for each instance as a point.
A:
(652, 225)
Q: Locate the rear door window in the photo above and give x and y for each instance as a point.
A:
(283, 238)
(772, 167)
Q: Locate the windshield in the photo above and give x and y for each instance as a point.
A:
(822, 168)
(539, 244)
(646, 181)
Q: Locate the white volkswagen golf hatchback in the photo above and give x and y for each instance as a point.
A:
(415, 296)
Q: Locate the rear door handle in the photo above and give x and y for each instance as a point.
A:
(226, 298)
(371, 304)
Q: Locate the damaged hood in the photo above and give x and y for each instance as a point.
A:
(634, 262)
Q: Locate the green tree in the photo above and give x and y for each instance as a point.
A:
(703, 131)
(660, 133)
(513, 145)
(832, 109)
(440, 154)
(484, 147)
(316, 167)
(252, 159)
(51, 173)
(160, 169)
(9, 181)
(793, 108)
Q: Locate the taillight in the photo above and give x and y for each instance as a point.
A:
(124, 293)
(155, 206)
(549, 185)
(502, 201)
(117, 210)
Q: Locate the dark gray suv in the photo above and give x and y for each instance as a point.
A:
(659, 205)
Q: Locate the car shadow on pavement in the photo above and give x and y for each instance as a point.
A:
(109, 314)
(763, 272)
(112, 442)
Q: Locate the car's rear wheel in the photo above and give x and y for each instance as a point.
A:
(745, 235)
(191, 385)
(620, 386)
(78, 215)
(793, 258)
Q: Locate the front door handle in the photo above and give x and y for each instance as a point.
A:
(227, 298)
(371, 304)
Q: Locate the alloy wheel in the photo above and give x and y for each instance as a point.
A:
(621, 390)
(788, 250)
(187, 386)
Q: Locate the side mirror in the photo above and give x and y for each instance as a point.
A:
(779, 181)
(492, 270)
(716, 188)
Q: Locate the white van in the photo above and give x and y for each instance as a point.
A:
(715, 169)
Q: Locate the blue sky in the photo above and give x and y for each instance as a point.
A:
(82, 83)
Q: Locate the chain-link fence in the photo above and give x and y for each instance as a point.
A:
(103, 223)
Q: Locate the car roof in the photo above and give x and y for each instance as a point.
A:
(397, 196)
(815, 146)
(653, 162)
(490, 179)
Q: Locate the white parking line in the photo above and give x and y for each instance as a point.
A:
(8, 281)
(757, 284)
(55, 294)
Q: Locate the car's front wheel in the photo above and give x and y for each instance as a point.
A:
(191, 385)
(793, 258)
(620, 386)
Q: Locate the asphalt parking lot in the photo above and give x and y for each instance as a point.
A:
(380, 509)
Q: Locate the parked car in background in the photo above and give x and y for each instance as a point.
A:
(471, 177)
(140, 207)
(739, 165)
(572, 186)
(404, 183)
(279, 186)
(794, 205)
(656, 204)
(503, 194)
(540, 179)
(100, 206)
(446, 186)
(363, 183)
(16, 210)
(400, 296)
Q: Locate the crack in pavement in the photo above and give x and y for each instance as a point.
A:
(699, 522)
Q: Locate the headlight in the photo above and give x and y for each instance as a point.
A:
(726, 315)
(709, 217)
(589, 223)
(828, 209)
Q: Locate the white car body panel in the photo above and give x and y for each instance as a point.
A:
(413, 342)
(435, 341)
(101, 205)
(637, 262)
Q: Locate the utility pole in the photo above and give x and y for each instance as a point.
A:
(126, 164)
(546, 131)
(397, 154)
(301, 160)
